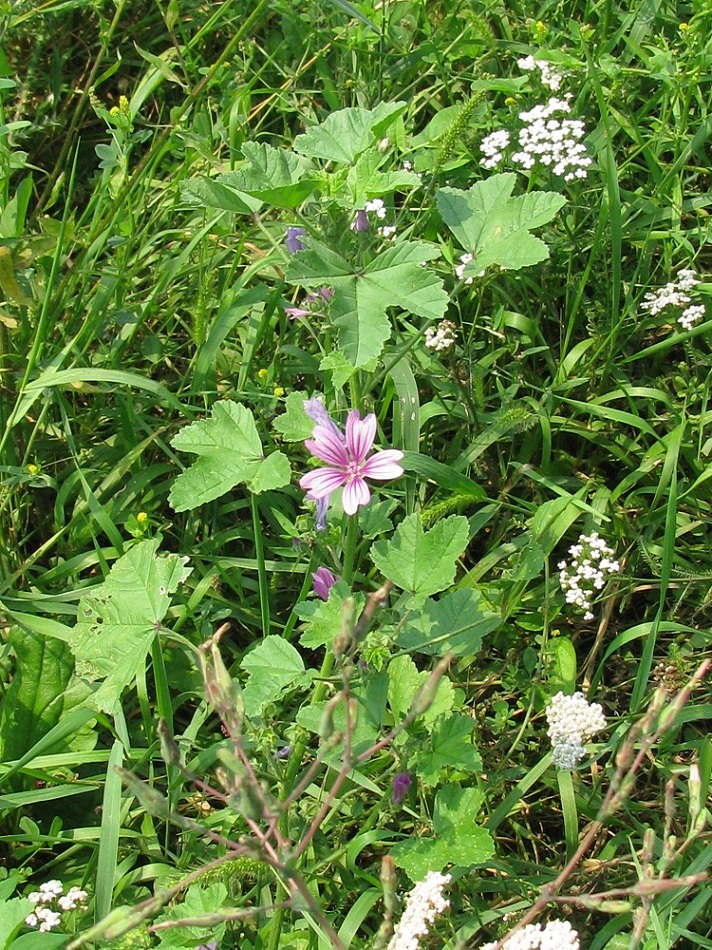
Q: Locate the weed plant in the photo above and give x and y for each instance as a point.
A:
(355, 439)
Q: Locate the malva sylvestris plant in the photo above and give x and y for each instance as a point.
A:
(348, 464)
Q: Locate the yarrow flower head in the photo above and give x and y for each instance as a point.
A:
(591, 565)
(552, 141)
(442, 337)
(348, 462)
(676, 293)
(556, 935)
(549, 76)
(422, 905)
(572, 723)
(493, 146)
(45, 917)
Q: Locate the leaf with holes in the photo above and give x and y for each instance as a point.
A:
(119, 619)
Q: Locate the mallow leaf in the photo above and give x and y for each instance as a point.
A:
(118, 621)
(43, 691)
(422, 562)
(495, 227)
(229, 453)
(364, 180)
(450, 747)
(343, 135)
(273, 666)
(455, 623)
(294, 425)
(274, 175)
(404, 682)
(395, 278)
(456, 839)
(324, 619)
(221, 192)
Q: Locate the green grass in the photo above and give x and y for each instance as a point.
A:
(134, 301)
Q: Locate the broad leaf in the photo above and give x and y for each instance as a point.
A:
(450, 747)
(43, 691)
(395, 278)
(220, 193)
(458, 839)
(229, 452)
(422, 562)
(202, 902)
(294, 425)
(274, 175)
(12, 918)
(495, 227)
(273, 666)
(324, 619)
(343, 135)
(364, 181)
(404, 682)
(119, 620)
(455, 623)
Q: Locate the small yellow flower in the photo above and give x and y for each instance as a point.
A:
(510, 101)
(278, 391)
(262, 374)
(684, 27)
(142, 517)
(33, 469)
(123, 105)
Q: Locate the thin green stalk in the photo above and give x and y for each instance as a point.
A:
(261, 567)
(347, 569)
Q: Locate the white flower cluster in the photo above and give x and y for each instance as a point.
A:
(553, 141)
(556, 935)
(46, 918)
(549, 76)
(376, 205)
(676, 294)
(493, 147)
(465, 259)
(422, 905)
(592, 562)
(441, 338)
(572, 722)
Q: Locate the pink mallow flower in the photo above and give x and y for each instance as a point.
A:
(348, 466)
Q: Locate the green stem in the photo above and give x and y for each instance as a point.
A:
(261, 567)
(347, 570)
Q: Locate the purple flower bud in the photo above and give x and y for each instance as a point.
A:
(323, 580)
(292, 240)
(213, 945)
(360, 222)
(401, 784)
(314, 408)
(322, 506)
(294, 312)
(284, 752)
(326, 292)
